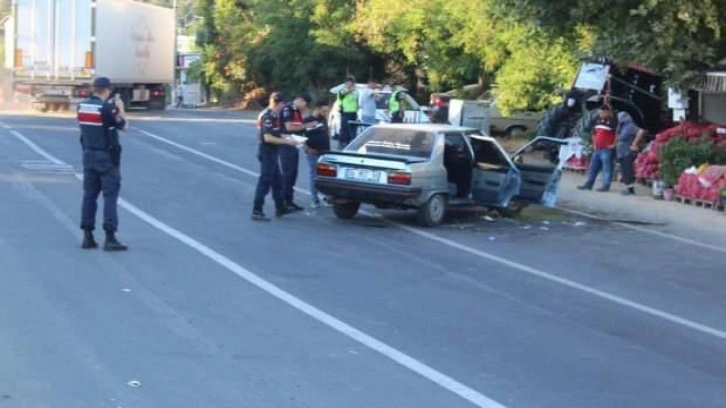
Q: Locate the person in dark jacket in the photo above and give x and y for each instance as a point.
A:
(271, 140)
(291, 119)
(629, 138)
(100, 118)
(318, 142)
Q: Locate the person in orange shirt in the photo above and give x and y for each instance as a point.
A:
(603, 139)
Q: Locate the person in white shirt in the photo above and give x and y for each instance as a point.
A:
(368, 97)
(179, 96)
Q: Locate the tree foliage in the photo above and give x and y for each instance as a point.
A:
(525, 49)
(680, 38)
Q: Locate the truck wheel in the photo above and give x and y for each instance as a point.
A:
(44, 108)
(346, 210)
(432, 212)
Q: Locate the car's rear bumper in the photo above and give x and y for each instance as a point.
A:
(367, 193)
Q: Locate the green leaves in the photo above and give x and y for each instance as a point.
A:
(528, 48)
(681, 38)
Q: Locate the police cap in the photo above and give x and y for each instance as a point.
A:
(102, 82)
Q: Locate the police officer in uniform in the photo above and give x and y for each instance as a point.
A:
(292, 124)
(100, 118)
(394, 105)
(348, 102)
(271, 140)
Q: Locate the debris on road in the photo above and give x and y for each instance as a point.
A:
(488, 218)
(580, 224)
(134, 384)
(126, 290)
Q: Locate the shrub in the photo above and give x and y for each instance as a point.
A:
(678, 154)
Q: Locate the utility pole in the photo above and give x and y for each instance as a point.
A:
(174, 96)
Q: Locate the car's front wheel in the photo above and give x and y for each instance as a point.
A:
(432, 212)
(346, 210)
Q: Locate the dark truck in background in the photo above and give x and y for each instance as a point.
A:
(54, 48)
(625, 87)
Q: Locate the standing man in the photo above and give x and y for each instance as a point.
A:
(629, 137)
(318, 143)
(348, 101)
(100, 117)
(269, 154)
(292, 124)
(603, 139)
(179, 95)
(368, 106)
(394, 105)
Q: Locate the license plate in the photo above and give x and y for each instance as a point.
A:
(363, 175)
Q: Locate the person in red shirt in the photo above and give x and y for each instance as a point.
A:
(603, 140)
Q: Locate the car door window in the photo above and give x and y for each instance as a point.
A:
(488, 156)
(537, 171)
(495, 180)
(455, 143)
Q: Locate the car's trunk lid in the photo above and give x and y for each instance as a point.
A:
(377, 161)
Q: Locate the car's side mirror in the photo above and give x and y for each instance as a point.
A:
(518, 159)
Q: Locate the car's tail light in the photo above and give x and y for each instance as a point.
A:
(402, 179)
(157, 92)
(326, 170)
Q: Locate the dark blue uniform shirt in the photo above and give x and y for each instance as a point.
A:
(269, 123)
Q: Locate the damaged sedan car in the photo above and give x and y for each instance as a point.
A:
(432, 168)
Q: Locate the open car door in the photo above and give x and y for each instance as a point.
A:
(540, 178)
(496, 179)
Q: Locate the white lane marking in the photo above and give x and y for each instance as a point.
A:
(194, 120)
(36, 149)
(653, 232)
(433, 375)
(198, 153)
(721, 334)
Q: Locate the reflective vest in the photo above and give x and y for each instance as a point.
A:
(393, 104)
(94, 135)
(349, 102)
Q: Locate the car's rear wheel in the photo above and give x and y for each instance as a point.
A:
(432, 212)
(346, 210)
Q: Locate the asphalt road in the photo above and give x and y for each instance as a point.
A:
(209, 309)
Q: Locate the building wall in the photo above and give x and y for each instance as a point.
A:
(713, 107)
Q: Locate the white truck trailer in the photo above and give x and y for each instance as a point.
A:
(56, 47)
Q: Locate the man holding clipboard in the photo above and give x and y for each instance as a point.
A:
(292, 125)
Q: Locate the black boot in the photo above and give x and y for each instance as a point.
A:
(258, 215)
(292, 207)
(112, 243)
(281, 209)
(88, 241)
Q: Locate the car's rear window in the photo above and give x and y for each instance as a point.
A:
(398, 142)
